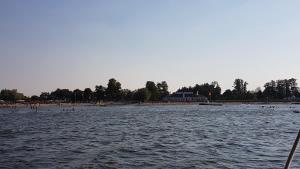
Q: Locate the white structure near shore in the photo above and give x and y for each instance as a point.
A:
(186, 97)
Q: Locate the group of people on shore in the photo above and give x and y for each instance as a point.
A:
(11, 106)
(32, 106)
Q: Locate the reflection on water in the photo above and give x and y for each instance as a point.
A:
(185, 136)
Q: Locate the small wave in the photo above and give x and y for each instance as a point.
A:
(126, 150)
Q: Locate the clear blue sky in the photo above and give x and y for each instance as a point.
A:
(76, 44)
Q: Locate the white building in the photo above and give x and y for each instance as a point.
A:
(186, 97)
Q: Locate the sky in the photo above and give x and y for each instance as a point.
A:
(72, 44)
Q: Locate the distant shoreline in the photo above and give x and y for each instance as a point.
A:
(110, 104)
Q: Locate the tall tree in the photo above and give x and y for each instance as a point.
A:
(11, 95)
(100, 92)
(62, 94)
(270, 90)
(215, 90)
(77, 95)
(44, 96)
(126, 94)
(113, 91)
(163, 89)
(34, 98)
(227, 94)
(294, 87)
(281, 89)
(212, 90)
(87, 93)
(142, 95)
(152, 88)
(259, 93)
(240, 88)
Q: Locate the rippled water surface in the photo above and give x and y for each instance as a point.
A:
(185, 136)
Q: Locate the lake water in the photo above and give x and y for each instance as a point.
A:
(181, 136)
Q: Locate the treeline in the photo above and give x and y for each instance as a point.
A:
(11, 95)
(280, 90)
(211, 91)
(112, 92)
(285, 89)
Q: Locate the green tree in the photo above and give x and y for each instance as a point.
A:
(281, 89)
(126, 94)
(142, 95)
(100, 92)
(206, 89)
(11, 95)
(258, 93)
(113, 91)
(87, 94)
(294, 87)
(250, 95)
(152, 88)
(44, 96)
(163, 89)
(62, 94)
(186, 89)
(77, 96)
(240, 88)
(227, 95)
(270, 90)
(34, 98)
(215, 90)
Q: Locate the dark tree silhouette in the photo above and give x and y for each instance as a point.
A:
(87, 94)
(142, 95)
(100, 92)
(152, 88)
(113, 91)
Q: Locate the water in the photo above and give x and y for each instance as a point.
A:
(185, 136)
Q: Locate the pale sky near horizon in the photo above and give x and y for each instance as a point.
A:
(52, 44)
